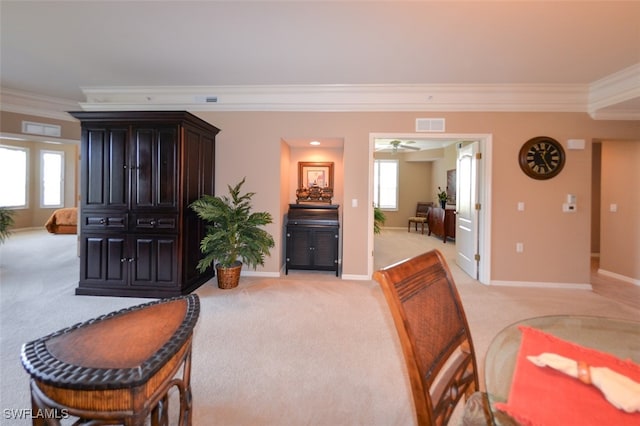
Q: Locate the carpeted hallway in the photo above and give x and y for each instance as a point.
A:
(303, 349)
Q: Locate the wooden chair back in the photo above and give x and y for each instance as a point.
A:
(423, 208)
(434, 334)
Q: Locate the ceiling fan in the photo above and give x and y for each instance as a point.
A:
(395, 145)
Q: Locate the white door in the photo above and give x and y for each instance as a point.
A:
(466, 206)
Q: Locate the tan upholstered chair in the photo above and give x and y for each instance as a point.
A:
(422, 211)
(435, 339)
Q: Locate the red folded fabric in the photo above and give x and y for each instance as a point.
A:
(546, 397)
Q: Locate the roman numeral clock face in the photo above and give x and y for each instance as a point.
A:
(541, 157)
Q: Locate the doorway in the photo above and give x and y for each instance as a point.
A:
(483, 196)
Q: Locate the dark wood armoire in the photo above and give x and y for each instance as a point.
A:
(140, 170)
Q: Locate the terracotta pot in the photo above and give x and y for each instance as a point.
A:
(229, 277)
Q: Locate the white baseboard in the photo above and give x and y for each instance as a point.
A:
(31, 228)
(356, 277)
(619, 277)
(252, 273)
(534, 284)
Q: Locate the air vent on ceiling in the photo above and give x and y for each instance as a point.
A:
(206, 99)
(43, 129)
(429, 124)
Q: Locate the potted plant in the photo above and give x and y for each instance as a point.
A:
(233, 234)
(379, 218)
(442, 197)
(6, 222)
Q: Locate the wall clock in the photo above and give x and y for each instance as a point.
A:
(541, 157)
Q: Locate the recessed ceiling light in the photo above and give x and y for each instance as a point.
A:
(314, 143)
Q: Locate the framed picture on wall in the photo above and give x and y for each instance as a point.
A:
(315, 175)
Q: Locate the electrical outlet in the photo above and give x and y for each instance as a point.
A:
(519, 247)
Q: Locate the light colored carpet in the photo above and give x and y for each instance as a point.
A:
(303, 349)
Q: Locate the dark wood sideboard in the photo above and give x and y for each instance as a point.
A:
(313, 237)
(442, 222)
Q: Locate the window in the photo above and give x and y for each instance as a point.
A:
(13, 176)
(385, 184)
(52, 179)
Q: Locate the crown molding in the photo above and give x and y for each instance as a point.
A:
(606, 93)
(341, 98)
(598, 99)
(613, 114)
(36, 105)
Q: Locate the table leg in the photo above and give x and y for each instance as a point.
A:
(160, 413)
(35, 406)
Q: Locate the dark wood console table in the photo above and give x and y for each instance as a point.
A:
(118, 368)
(442, 222)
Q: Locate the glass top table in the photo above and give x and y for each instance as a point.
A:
(618, 337)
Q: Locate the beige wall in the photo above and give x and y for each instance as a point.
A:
(620, 230)
(34, 216)
(596, 176)
(557, 240)
(556, 244)
(11, 122)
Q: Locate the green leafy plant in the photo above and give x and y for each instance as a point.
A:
(442, 195)
(379, 219)
(233, 231)
(6, 222)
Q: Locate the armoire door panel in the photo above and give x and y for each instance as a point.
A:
(105, 176)
(93, 179)
(154, 261)
(167, 178)
(143, 168)
(116, 261)
(166, 262)
(207, 165)
(92, 261)
(103, 259)
(143, 260)
(117, 168)
(155, 169)
(191, 164)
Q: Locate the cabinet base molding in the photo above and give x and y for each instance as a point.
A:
(147, 292)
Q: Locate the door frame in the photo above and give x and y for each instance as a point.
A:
(484, 193)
